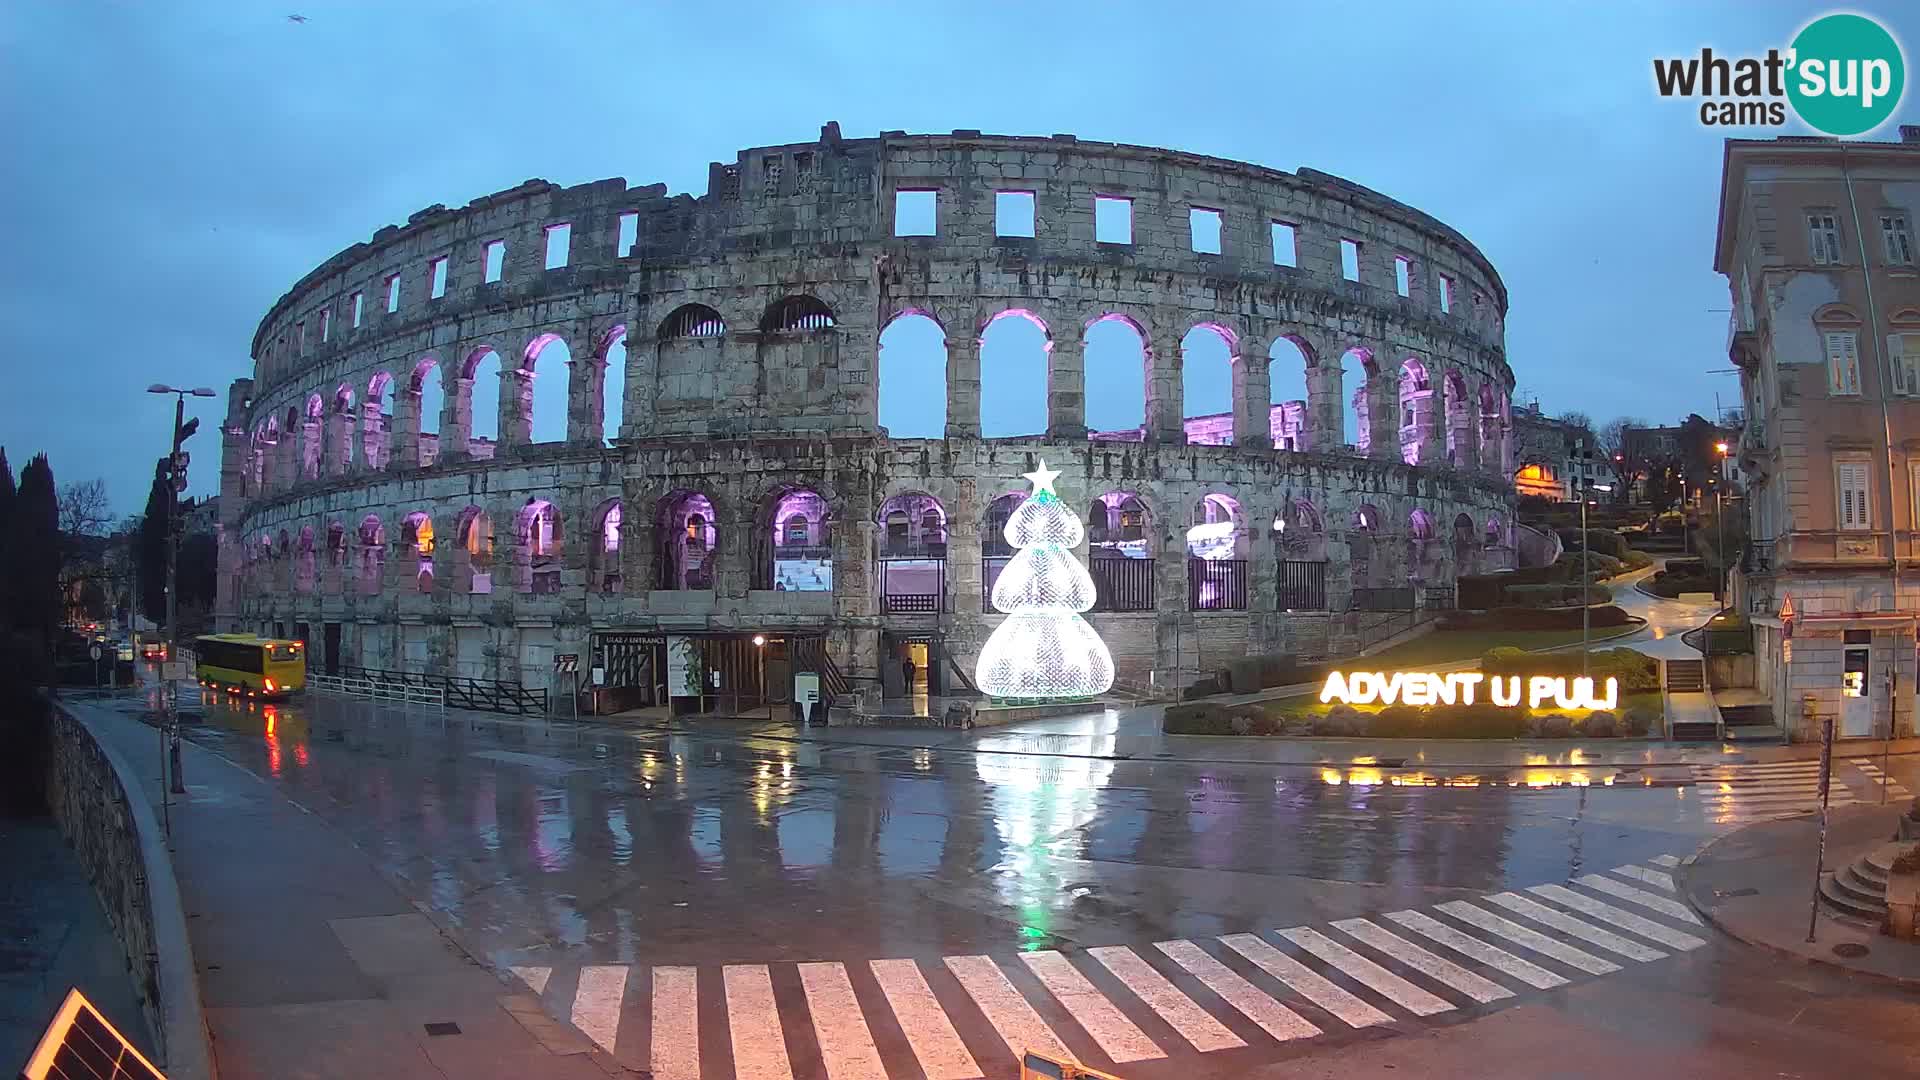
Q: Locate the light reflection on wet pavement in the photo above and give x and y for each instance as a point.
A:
(531, 839)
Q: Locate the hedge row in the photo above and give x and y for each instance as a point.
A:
(1535, 619)
(1634, 670)
(1479, 721)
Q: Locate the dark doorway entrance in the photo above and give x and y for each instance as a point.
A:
(331, 651)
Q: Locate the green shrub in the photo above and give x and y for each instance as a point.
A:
(1636, 723)
(1636, 560)
(1517, 618)
(1634, 670)
(1599, 725)
(1197, 718)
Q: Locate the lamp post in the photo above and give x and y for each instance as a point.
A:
(171, 717)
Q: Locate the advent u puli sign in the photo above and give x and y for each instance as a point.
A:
(1463, 687)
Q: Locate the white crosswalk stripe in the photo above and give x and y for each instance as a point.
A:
(1567, 924)
(1367, 973)
(1192, 1022)
(1019, 1026)
(1672, 909)
(1528, 937)
(1737, 794)
(1274, 1018)
(1895, 789)
(1419, 959)
(675, 1054)
(1305, 981)
(596, 1003)
(1119, 1037)
(753, 1019)
(846, 1044)
(1499, 959)
(1651, 877)
(1625, 920)
(1401, 963)
(930, 1034)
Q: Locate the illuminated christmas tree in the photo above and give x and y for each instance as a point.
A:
(1044, 649)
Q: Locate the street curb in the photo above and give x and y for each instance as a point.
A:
(1903, 982)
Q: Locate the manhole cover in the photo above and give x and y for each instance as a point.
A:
(1850, 950)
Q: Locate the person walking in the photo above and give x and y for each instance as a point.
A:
(907, 669)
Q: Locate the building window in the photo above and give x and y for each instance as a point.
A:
(1284, 239)
(438, 288)
(559, 240)
(1203, 227)
(495, 261)
(1843, 362)
(1850, 486)
(1904, 356)
(629, 234)
(300, 338)
(1446, 294)
(1913, 494)
(1893, 232)
(1112, 220)
(916, 213)
(1823, 238)
(359, 308)
(1013, 213)
(393, 293)
(326, 325)
(1350, 259)
(1402, 275)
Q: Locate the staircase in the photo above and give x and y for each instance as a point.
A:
(1860, 889)
(1686, 676)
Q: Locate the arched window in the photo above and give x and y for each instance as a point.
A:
(613, 382)
(797, 314)
(1120, 551)
(801, 559)
(373, 554)
(375, 422)
(312, 431)
(336, 545)
(1116, 379)
(549, 363)
(1013, 374)
(304, 568)
(475, 531)
(603, 555)
(1415, 400)
(340, 437)
(688, 538)
(427, 401)
(417, 534)
(1287, 392)
(1356, 375)
(1458, 418)
(913, 557)
(1217, 555)
(913, 377)
(537, 553)
(482, 411)
(1206, 365)
(1496, 531)
(692, 321)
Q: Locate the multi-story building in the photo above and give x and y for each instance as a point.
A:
(1816, 241)
(1554, 459)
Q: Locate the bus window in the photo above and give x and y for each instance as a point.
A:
(286, 652)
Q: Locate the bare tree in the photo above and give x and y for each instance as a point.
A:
(1577, 419)
(1623, 454)
(84, 510)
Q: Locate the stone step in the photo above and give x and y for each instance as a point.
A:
(1684, 731)
(1847, 904)
(1862, 889)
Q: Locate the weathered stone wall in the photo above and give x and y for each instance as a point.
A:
(731, 392)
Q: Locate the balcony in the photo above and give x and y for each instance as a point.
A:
(913, 587)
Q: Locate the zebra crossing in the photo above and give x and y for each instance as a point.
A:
(1895, 789)
(969, 1017)
(1738, 794)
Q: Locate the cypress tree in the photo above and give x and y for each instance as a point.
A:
(150, 548)
(34, 551)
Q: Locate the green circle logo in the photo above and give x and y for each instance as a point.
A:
(1847, 74)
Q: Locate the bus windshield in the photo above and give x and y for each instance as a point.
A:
(284, 652)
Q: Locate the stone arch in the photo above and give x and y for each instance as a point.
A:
(1465, 545)
(1359, 423)
(1123, 541)
(1217, 540)
(376, 423)
(692, 321)
(793, 541)
(477, 406)
(603, 547)
(1291, 420)
(417, 438)
(540, 404)
(1117, 354)
(797, 313)
(305, 568)
(1459, 418)
(538, 548)
(688, 551)
(473, 531)
(1415, 411)
(312, 427)
(371, 541)
(1210, 375)
(417, 542)
(339, 434)
(1493, 430)
(609, 384)
(912, 571)
(1299, 532)
(913, 372)
(1015, 354)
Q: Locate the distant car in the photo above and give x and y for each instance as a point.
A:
(123, 650)
(153, 650)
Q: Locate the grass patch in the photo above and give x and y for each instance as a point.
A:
(1449, 646)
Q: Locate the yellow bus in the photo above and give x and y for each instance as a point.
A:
(253, 666)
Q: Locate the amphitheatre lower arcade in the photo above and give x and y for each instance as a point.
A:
(596, 419)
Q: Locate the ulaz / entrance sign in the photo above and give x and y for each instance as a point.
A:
(1460, 687)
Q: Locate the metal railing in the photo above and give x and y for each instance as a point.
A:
(914, 601)
(1303, 586)
(1217, 584)
(1393, 598)
(485, 695)
(1122, 584)
(375, 688)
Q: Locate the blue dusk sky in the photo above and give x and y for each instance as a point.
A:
(173, 168)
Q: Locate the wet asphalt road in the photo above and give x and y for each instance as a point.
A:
(560, 850)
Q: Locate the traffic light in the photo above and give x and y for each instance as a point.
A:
(180, 471)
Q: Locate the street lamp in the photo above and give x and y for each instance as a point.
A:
(175, 782)
(1586, 560)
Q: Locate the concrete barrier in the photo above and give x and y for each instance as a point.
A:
(96, 797)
